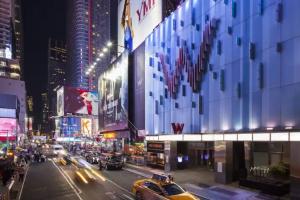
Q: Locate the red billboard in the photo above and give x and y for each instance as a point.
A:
(76, 101)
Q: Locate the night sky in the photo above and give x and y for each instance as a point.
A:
(42, 19)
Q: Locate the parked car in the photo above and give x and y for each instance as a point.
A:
(160, 187)
(110, 161)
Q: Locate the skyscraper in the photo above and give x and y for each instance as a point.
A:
(89, 29)
(57, 60)
(6, 15)
(9, 66)
(18, 50)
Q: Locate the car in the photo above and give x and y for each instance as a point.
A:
(84, 172)
(93, 158)
(110, 161)
(160, 187)
(65, 160)
(58, 150)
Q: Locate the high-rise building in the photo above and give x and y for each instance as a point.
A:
(45, 112)
(6, 16)
(89, 29)
(18, 50)
(57, 60)
(10, 39)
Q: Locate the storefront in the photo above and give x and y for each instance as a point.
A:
(156, 154)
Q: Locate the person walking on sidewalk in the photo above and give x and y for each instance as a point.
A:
(21, 171)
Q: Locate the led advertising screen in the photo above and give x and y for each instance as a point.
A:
(113, 95)
(136, 20)
(8, 129)
(76, 101)
(86, 126)
(70, 126)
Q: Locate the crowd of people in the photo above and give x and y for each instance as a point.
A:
(15, 165)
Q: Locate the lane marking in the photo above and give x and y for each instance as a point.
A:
(25, 176)
(128, 197)
(68, 181)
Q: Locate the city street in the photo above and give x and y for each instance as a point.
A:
(51, 181)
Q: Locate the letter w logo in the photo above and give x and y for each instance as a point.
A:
(177, 128)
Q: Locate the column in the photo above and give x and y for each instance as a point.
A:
(295, 170)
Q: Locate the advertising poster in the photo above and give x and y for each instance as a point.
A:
(136, 20)
(8, 129)
(70, 126)
(79, 101)
(86, 126)
(113, 96)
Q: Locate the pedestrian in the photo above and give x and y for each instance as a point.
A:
(21, 171)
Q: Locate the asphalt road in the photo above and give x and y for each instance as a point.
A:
(50, 181)
(44, 181)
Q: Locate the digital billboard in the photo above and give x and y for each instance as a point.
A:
(113, 95)
(8, 129)
(136, 20)
(69, 126)
(86, 126)
(76, 101)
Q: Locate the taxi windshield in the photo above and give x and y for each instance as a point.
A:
(173, 189)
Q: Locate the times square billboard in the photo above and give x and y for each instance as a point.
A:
(76, 101)
(113, 95)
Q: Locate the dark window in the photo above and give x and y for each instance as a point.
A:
(153, 187)
(173, 189)
(183, 90)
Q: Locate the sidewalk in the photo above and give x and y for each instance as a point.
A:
(201, 183)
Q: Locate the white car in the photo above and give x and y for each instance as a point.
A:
(58, 150)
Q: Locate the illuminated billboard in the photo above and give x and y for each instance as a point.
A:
(86, 126)
(76, 101)
(8, 129)
(136, 20)
(113, 95)
(70, 126)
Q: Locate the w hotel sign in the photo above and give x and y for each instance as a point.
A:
(177, 128)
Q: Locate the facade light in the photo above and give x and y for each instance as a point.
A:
(105, 49)
(101, 54)
(98, 59)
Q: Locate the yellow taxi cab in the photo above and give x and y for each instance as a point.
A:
(160, 187)
(84, 172)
